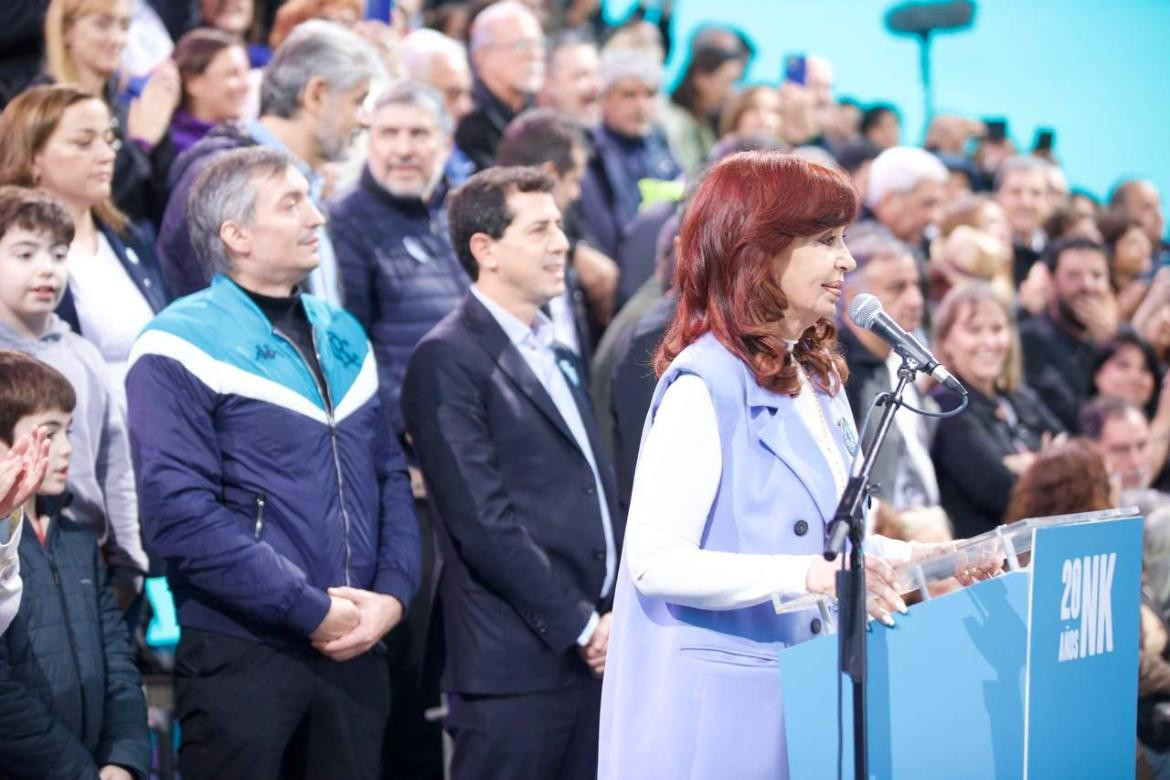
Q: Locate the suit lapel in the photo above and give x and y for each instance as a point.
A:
(780, 428)
(512, 363)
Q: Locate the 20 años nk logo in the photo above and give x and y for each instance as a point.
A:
(1088, 598)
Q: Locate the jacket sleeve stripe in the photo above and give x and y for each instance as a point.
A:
(221, 377)
(364, 387)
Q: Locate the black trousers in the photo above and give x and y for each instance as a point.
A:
(254, 711)
(549, 735)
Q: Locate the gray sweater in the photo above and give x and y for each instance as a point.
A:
(101, 477)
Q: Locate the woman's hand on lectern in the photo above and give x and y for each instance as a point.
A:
(881, 598)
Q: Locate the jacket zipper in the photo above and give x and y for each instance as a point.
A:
(261, 500)
(323, 388)
(68, 627)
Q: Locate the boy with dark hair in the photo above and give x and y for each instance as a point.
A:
(71, 702)
(35, 232)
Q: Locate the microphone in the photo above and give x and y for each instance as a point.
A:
(866, 312)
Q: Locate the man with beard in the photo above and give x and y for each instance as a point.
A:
(507, 51)
(572, 80)
(1058, 344)
(310, 108)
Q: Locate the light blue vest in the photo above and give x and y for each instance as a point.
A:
(694, 693)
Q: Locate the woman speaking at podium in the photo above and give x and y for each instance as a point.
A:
(746, 451)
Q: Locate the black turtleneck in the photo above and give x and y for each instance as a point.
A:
(287, 315)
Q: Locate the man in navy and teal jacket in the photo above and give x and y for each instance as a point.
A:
(270, 486)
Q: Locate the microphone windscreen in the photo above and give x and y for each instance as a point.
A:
(864, 310)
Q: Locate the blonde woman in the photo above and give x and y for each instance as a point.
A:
(84, 42)
(978, 455)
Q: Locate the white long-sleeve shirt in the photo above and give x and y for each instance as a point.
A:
(10, 582)
(678, 474)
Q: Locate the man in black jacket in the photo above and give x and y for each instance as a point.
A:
(527, 522)
(71, 701)
(507, 50)
(1058, 344)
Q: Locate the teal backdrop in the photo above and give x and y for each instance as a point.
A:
(1098, 73)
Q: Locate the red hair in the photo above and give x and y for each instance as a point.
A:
(749, 209)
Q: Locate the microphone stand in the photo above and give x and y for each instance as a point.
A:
(849, 520)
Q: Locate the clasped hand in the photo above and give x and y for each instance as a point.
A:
(356, 621)
(595, 651)
(881, 599)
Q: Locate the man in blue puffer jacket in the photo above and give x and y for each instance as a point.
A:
(271, 489)
(399, 273)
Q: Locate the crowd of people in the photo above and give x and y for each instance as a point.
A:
(345, 319)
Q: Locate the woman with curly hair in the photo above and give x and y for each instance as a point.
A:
(1066, 478)
(745, 455)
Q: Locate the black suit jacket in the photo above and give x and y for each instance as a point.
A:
(518, 522)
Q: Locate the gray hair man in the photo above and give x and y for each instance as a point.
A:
(268, 487)
(628, 147)
(905, 193)
(507, 50)
(398, 270)
(310, 108)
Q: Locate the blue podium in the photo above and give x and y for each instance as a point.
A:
(1032, 674)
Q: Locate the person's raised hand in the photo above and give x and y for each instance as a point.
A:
(341, 618)
(149, 115)
(113, 772)
(377, 614)
(22, 469)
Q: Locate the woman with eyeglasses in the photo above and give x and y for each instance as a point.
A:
(60, 138)
(84, 42)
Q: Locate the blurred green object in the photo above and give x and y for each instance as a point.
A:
(660, 191)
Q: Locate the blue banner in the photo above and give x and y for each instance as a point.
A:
(1081, 689)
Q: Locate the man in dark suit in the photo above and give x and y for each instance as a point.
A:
(517, 473)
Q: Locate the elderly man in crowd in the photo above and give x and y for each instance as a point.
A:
(628, 148)
(1058, 343)
(904, 196)
(269, 487)
(1123, 432)
(310, 108)
(440, 62)
(572, 79)
(507, 49)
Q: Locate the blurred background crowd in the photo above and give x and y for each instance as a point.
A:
(1051, 303)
